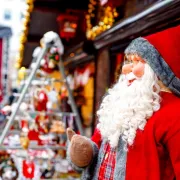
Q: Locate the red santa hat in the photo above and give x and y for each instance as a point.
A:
(161, 52)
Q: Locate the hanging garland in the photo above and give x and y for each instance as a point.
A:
(23, 36)
(106, 20)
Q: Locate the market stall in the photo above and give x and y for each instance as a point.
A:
(91, 65)
(34, 134)
(109, 40)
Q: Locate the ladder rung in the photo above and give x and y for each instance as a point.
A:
(13, 132)
(43, 81)
(33, 147)
(52, 113)
(18, 117)
(18, 94)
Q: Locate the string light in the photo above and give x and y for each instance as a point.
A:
(23, 36)
(106, 21)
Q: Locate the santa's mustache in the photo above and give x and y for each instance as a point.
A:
(130, 78)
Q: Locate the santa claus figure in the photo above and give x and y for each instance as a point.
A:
(138, 133)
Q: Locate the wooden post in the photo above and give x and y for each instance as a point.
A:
(102, 79)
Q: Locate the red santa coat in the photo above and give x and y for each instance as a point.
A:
(155, 154)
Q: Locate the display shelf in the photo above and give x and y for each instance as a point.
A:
(29, 81)
(40, 127)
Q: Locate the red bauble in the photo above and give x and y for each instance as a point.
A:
(46, 68)
(57, 57)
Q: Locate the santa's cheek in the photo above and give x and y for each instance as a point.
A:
(138, 70)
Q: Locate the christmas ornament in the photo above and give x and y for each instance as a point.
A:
(54, 54)
(47, 66)
(23, 106)
(28, 169)
(33, 136)
(24, 126)
(67, 25)
(53, 37)
(40, 99)
(6, 110)
(57, 127)
(12, 140)
(42, 123)
(8, 171)
(24, 140)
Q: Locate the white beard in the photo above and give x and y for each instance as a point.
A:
(127, 108)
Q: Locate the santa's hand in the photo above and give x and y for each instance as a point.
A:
(81, 150)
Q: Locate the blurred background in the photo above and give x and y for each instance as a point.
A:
(94, 34)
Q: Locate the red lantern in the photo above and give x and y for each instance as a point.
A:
(67, 25)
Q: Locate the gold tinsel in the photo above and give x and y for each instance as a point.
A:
(23, 36)
(106, 21)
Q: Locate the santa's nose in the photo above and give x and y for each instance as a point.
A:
(127, 68)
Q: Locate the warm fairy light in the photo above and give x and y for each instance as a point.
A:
(74, 25)
(72, 55)
(105, 22)
(23, 36)
(17, 65)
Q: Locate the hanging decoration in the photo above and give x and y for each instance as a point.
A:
(24, 140)
(67, 25)
(23, 36)
(42, 122)
(50, 62)
(40, 99)
(8, 170)
(28, 169)
(33, 134)
(24, 125)
(106, 20)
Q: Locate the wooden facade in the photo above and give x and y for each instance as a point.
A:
(158, 16)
